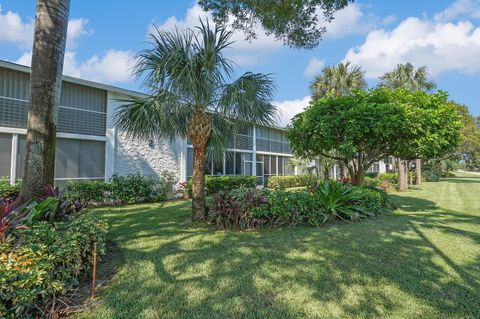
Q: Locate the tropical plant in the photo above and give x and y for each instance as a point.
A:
(298, 23)
(188, 77)
(49, 40)
(408, 77)
(337, 80)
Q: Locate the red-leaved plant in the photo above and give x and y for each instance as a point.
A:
(7, 217)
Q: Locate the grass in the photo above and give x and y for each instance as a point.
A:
(422, 261)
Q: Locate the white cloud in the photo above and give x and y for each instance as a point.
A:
(242, 52)
(441, 47)
(289, 108)
(13, 29)
(77, 29)
(459, 9)
(112, 67)
(314, 67)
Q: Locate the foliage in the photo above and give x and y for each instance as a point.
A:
(469, 148)
(299, 24)
(126, 189)
(357, 129)
(193, 93)
(234, 210)
(337, 80)
(435, 169)
(407, 77)
(48, 263)
(250, 208)
(391, 177)
(290, 181)
(371, 174)
(371, 181)
(8, 191)
(217, 184)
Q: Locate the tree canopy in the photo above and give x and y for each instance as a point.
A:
(365, 126)
(298, 23)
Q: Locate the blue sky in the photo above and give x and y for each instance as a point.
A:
(103, 36)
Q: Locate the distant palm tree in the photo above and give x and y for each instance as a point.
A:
(406, 76)
(337, 80)
(188, 77)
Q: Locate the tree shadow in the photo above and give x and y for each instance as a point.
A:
(391, 266)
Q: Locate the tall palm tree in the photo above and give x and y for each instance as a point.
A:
(191, 95)
(415, 79)
(45, 81)
(408, 77)
(337, 80)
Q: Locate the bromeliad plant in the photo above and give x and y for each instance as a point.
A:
(193, 94)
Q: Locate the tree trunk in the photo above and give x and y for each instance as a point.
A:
(402, 176)
(418, 170)
(199, 129)
(45, 83)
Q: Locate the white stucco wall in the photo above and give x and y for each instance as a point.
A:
(125, 155)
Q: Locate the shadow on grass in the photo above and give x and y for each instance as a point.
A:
(383, 266)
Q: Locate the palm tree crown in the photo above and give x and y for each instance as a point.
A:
(192, 94)
(337, 80)
(406, 76)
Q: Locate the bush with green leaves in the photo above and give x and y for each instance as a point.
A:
(124, 189)
(329, 200)
(372, 182)
(391, 177)
(217, 184)
(7, 190)
(45, 261)
(290, 181)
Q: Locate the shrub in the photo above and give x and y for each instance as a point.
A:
(234, 209)
(289, 181)
(8, 191)
(49, 262)
(242, 209)
(391, 177)
(371, 174)
(371, 182)
(217, 184)
(128, 189)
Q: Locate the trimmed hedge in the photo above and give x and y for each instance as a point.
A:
(216, 184)
(48, 263)
(289, 181)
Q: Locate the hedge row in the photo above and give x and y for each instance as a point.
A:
(215, 184)
(289, 181)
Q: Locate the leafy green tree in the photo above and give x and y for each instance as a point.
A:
(191, 96)
(49, 40)
(432, 127)
(337, 80)
(356, 129)
(469, 148)
(298, 23)
(415, 79)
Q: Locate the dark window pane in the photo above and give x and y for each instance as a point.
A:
(5, 154)
(189, 162)
(229, 163)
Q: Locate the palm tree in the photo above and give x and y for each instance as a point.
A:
(45, 80)
(191, 95)
(337, 80)
(406, 76)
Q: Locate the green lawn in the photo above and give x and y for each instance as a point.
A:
(422, 261)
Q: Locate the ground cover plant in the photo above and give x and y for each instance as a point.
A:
(422, 261)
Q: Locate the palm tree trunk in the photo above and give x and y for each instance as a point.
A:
(418, 169)
(198, 183)
(402, 176)
(199, 129)
(45, 82)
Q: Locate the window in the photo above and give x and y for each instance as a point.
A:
(230, 163)
(189, 162)
(5, 154)
(280, 166)
(79, 159)
(22, 142)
